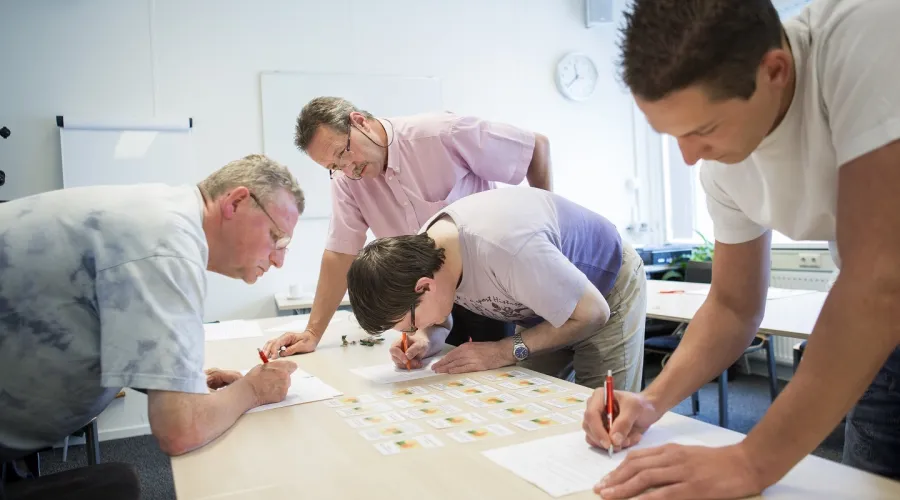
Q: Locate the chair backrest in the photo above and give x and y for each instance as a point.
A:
(698, 272)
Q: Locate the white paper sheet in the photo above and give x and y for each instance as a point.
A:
(566, 464)
(227, 330)
(298, 325)
(773, 293)
(304, 389)
(388, 373)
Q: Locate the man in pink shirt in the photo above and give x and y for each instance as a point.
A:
(391, 175)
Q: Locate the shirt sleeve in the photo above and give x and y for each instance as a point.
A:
(859, 72)
(151, 324)
(730, 224)
(493, 151)
(542, 278)
(347, 230)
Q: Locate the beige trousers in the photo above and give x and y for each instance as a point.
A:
(618, 345)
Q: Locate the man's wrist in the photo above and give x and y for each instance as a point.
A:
(506, 347)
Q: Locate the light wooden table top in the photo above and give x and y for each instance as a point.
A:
(308, 451)
(285, 303)
(793, 316)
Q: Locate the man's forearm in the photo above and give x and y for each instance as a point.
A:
(539, 173)
(182, 422)
(545, 337)
(330, 290)
(854, 335)
(715, 338)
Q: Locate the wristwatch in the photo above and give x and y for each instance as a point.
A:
(520, 350)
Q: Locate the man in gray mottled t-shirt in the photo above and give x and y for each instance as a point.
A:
(558, 270)
(102, 288)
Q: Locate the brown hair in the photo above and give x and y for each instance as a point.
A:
(669, 45)
(333, 112)
(382, 279)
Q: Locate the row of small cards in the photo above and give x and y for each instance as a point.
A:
(376, 413)
(394, 445)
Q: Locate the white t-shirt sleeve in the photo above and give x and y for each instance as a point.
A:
(730, 224)
(860, 77)
(543, 279)
(151, 326)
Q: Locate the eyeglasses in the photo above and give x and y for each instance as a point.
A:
(340, 165)
(412, 320)
(280, 243)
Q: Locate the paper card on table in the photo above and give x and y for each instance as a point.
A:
(519, 411)
(465, 392)
(456, 420)
(455, 384)
(544, 421)
(363, 409)
(303, 389)
(350, 400)
(405, 391)
(409, 444)
(389, 373)
(524, 383)
(370, 420)
(505, 375)
(492, 400)
(542, 390)
(568, 401)
(565, 464)
(391, 431)
(431, 411)
(578, 414)
(227, 330)
(424, 399)
(479, 433)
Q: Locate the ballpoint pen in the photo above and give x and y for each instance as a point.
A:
(609, 406)
(262, 355)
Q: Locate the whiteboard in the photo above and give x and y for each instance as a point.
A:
(126, 152)
(285, 93)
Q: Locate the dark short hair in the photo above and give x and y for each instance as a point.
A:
(383, 276)
(669, 45)
(332, 112)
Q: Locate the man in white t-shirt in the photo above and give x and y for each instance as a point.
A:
(797, 125)
(103, 287)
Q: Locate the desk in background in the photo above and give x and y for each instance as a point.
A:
(308, 451)
(302, 305)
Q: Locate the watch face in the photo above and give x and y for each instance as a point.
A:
(520, 352)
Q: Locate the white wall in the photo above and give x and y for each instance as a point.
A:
(202, 58)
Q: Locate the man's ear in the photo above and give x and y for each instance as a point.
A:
(424, 284)
(233, 201)
(359, 119)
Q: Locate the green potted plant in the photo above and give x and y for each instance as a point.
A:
(701, 257)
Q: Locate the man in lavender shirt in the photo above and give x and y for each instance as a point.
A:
(390, 175)
(559, 271)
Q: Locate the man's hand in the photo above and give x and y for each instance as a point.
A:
(217, 379)
(636, 415)
(418, 347)
(271, 381)
(294, 343)
(683, 472)
(476, 357)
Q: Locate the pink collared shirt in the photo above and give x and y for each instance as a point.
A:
(433, 160)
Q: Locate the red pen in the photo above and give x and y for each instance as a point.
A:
(609, 406)
(262, 355)
(405, 347)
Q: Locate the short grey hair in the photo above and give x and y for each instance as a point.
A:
(333, 112)
(260, 174)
